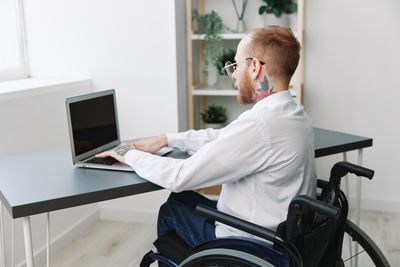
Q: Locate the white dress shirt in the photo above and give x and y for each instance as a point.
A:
(263, 160)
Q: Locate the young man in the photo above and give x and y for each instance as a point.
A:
(263, 159)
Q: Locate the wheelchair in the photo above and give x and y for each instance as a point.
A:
(312, 234)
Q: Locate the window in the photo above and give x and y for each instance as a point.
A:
(13, 58)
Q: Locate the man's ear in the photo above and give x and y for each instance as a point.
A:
(255, 69)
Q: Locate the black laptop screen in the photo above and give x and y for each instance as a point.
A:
(93, 123)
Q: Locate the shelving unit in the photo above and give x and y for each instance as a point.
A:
(215, 92)
(224, 36)
(202, 91)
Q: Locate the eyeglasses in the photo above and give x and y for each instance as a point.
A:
(231, 67)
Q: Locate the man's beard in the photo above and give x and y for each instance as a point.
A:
(246, 92)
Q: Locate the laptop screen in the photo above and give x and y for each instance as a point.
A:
(93, 123)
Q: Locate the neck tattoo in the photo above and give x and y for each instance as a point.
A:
(265, 90)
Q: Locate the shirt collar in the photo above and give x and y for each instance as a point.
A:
(276, 98)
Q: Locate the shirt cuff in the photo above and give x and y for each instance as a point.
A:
(132, 156)
(175, 140)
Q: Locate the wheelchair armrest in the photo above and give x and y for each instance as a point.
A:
(301, 204)
(251, 228)
(235, 222)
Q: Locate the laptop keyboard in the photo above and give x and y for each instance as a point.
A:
(103, 161)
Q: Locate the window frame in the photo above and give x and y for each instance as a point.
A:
(22, 71)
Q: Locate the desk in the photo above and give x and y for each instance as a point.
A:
(26, 179)
(46, 181)
(328, 142)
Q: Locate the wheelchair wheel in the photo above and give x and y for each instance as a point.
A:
(368, 254)
(224, 258)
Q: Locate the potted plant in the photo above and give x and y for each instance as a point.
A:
(214, 116)
(211, 25)
(277, 8)
(226, 55)
(223, 80)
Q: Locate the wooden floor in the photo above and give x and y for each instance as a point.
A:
(120, 244)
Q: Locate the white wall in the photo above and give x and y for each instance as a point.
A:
(123, 44)
(126, 45)
(352, 84)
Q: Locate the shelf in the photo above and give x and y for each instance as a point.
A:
(225, 36)
(226, 92)
(228, 36)
(215, 92)
(198, 92)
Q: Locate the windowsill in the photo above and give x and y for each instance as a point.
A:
(34, 86)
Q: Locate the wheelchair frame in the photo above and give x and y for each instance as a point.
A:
(330, 208)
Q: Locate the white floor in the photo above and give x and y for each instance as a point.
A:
(107, 243)
(123, 244)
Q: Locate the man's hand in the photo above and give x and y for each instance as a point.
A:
(150, 145)
(118, 153)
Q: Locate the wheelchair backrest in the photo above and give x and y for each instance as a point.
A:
(316, 233)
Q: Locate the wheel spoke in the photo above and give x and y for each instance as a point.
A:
(354, 256)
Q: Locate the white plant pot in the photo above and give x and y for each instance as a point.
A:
(271, 19)
(212, 74)
(293, 21)
(214, 125)
(241, 26)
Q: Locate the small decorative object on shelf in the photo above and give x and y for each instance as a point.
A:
(279, 9)
(240, 26)
(214, 116)
(211, 25)
(226, 55)
(223, 80)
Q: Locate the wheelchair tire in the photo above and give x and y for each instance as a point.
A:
(224, 258)
(366, 243)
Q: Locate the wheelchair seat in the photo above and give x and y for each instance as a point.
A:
(312, 234)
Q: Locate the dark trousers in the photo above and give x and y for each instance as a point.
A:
(178, 215)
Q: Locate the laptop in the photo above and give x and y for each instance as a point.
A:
(93, 128)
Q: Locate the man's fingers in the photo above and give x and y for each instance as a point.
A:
(131, 145)
(103, 154)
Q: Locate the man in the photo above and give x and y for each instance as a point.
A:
(263, 159)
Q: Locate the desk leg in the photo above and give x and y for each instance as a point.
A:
(12, 243)
(358, 203)
(48, 238)
(26, 223)
(3, 247)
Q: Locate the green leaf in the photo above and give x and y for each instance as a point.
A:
(277, 12)
(271, 2)
(211, 25)
(293, 7)
(262, 9)
(277, 7)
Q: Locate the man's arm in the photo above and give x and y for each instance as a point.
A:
(150, 145)
(189, 141)
(236, 153)
(192, 140)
